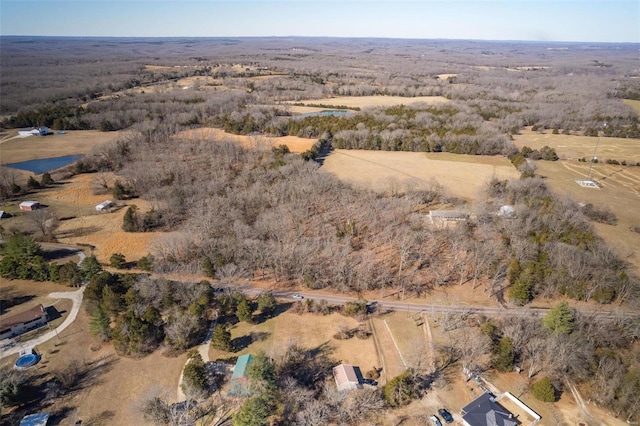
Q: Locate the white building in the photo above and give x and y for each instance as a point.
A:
(105, 206)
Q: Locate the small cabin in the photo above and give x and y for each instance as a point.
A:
(28, 206)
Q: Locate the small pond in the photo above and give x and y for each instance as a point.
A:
(45, 164)
(325, 113)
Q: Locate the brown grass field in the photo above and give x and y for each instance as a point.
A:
(295, 144)
(36, 147)
(461, 175)
(374, 101)
(633, 104)
(620, 185)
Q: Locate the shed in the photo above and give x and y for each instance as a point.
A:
(29, 205)
(347, 377)
(38, 419)
(105, 205)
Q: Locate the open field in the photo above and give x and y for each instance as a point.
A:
(633, 104)
(37, 147)
(462, 175)
(570, 147)
(75, 201)
(295, 144)
(620, 185)
(374, 101)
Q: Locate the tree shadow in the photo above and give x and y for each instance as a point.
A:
(279, 309)
(14, 301)
(58, 253)
(240, 343)
(78, 232)
(102, 418)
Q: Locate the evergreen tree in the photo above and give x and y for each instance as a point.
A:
(255, 411)
(46, 179)
(32, 183)
(195, 376)
(99, 325)
(560, 319)
(117, 260)
(221, 338)
(262, 369)
(130, 219)
(503, 355)
(400, 390)
(146, 263)
(543, 390)
(266, 303)
(243, 311)
(90, 267)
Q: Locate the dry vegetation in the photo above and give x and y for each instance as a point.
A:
(250, 211)
(460, 176)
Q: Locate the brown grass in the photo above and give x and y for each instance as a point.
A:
(570, 147)
(374, 101)
(633, 104)
(37, 147)
(461, 175)
(295, 144)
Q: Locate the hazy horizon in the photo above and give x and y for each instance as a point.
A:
(603, 21)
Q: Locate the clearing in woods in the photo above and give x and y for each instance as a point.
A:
(295, 144)
(462, 175)
(620, 185)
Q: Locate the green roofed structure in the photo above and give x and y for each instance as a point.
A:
(240, 382)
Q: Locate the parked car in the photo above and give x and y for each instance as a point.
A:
(298, 296)
(435, 420)
(370, 382)
(446, 415)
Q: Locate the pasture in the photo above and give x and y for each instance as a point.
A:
(374, 101)
(16, 149)
(295, 144)
(620, 185)
(461, 175)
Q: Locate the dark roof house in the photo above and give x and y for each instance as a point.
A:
(485, 411)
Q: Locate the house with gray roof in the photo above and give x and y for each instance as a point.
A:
(485, 411)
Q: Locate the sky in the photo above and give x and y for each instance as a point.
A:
(559, 20)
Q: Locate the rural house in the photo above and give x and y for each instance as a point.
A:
(485, 411)
(240, 382)
(105, 206)
(347, 377)
(17, 324)
(29, 205)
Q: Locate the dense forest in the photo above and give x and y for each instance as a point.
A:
(251, 213)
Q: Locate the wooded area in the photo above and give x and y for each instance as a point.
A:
(267, 214)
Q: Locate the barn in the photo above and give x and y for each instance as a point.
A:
(29, 205)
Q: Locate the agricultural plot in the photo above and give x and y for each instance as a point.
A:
(70, 143)
(295, 144)
(374, 101)
(619, 185)
(461, 175)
